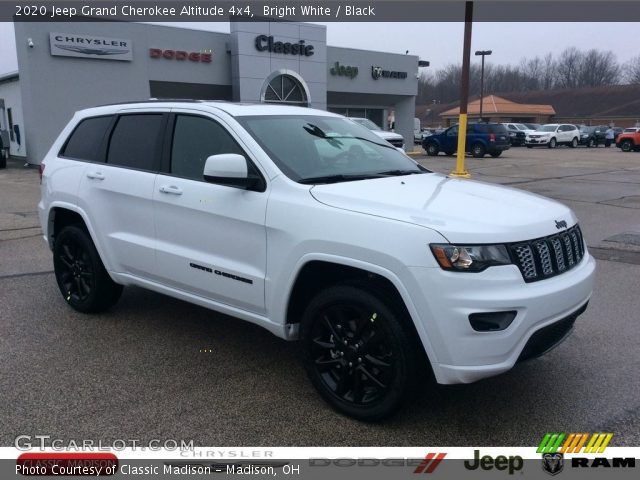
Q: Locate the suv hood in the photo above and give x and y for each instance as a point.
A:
(463, 211)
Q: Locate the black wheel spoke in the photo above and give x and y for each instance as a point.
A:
(332, 329)
(372, 377)
(327, 364)
(342, 385)
(321, 343)
(377, 362)
(358, 387)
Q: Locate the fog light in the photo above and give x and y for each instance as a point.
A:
(491, 321)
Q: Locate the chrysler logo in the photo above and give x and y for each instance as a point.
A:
(92, 51)
(561, 224)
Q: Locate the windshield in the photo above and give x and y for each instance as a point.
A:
(587, 129)
(306, 147)
(520, 126)
(630, 130)
(365, 122)
(547, 128)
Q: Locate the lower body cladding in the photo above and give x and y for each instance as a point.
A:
(533, 317)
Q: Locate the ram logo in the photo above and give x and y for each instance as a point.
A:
(376, 72)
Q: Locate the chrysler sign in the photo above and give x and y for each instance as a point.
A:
(90, 46)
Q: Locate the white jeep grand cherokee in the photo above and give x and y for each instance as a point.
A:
(309, 225)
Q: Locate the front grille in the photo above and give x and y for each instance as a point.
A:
(550, 336)
(549, 256)
(396, 143)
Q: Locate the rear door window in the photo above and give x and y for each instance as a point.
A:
(86, 139)
(134, 142)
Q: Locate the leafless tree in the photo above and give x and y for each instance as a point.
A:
(568, 67)
(632, 70)
(598, 68)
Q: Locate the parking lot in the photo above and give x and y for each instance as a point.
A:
(141, 370)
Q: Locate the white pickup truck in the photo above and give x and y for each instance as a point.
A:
(307, 224)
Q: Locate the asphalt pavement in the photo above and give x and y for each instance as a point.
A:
(156, 367)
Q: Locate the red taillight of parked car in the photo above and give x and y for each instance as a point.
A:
(41, 171)
(492, 137)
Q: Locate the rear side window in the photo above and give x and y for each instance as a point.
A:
(134, 141)
(496, 128)
(85, 140)
(194, 140)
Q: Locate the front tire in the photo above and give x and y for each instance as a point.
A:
(553, 143)
(574, 143)
(81, 276)
(626, 146)
(592, 143)
(358, 352)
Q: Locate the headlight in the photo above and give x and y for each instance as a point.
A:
(470, 258)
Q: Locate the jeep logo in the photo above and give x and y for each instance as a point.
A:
(561, 224)
(511, 464)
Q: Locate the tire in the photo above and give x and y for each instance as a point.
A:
(496, 154)
(364, 367)
(432, 149)
(626, 145)
(80, 274)
(553, 143)
(592, 143)
(478, 150)
(574, 143)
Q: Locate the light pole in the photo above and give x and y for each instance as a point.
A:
(482, 53)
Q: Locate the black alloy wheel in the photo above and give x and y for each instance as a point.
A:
(357, 352)
(478, 150)
(80, 274)
(432, 149)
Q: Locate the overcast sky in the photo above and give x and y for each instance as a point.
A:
(441, 43)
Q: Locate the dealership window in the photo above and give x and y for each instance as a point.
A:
(85, 141)
(10, 121)
(134, 140)
(376, 115)
(194, 140)
(285, 89)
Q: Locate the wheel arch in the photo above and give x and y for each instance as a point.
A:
(316, 273)
(62, 214)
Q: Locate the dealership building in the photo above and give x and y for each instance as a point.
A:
(64, 67)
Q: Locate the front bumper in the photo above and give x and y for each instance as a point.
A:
(446, 299)
(537, 141)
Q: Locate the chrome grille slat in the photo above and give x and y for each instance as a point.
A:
(550, 256)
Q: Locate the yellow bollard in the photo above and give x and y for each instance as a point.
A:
(460, 171)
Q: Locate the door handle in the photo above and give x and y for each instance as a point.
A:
(95, 175)
(171, 189)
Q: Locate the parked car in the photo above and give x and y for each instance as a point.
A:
(516, 133)
(553, 134)
(482, 139)
(393, 138)
(532, 126)
(629, 139)
(617, 131)
(309, 225)
(593, 136)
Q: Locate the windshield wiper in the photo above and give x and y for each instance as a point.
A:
(395, 173)
(339, 178)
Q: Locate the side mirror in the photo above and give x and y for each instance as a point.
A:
(230, 169)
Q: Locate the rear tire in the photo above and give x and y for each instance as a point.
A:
(432, 149)
(626, 145)
(81, 276)
(478, 150)
(358, 351)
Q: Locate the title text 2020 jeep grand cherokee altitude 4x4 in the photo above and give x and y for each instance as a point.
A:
(311, 226)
